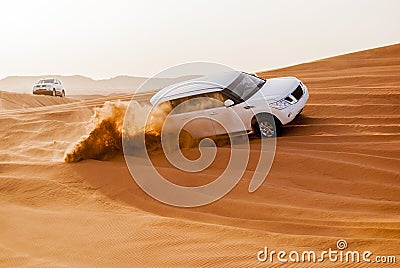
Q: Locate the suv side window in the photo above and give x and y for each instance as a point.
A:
(198, 102)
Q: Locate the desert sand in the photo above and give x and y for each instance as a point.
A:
(336, 175)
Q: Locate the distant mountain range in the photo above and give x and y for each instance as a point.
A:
(82, 85)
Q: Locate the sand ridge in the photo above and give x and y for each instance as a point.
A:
(335, 176)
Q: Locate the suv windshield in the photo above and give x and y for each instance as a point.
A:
(244, 87)
(45, 81)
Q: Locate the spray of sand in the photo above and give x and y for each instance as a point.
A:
(106, 125)
(106, 128)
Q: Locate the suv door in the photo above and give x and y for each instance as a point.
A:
(228, 119)
(189, 113)
(224, 119)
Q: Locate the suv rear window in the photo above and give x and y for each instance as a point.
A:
(44, 81)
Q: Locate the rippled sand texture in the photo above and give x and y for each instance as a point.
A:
(335, 176)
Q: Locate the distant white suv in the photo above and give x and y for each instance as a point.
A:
(49, 86)
(232, 102)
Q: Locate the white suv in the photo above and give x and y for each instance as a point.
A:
(232, 102)
(49, 86)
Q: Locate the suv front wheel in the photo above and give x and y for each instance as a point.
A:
(266, 126)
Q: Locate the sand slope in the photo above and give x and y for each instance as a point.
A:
(335, 176)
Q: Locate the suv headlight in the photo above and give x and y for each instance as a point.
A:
(280, 104)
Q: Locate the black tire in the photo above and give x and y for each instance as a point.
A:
(266, 126)
(63, 94)
(54, 92)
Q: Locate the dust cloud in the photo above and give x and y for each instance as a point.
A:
(106, 126)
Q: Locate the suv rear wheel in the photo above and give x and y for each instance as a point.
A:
(62, 93)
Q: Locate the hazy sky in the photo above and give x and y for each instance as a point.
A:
(102, 39)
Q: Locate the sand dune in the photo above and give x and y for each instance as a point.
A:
(335, 176)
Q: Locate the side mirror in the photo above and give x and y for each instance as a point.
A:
(228, 103)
